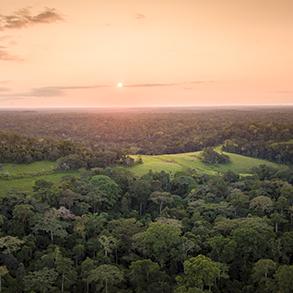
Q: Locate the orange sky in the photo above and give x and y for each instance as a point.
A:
(56, 53)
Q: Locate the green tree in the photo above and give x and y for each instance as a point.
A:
(223, 248)
(40, 281)
(50, 224)
(45, 191)
(64, 268)
(284, 277)
(124, 230)
(22, 217)
(261, 204)
(139, 191)
(255, 239)
(109, 243)
(143, 273)
(105, 190)
(239, 201)
(79, 252)
(86, 267)
(161, 242)
(3, 272)
(106, 277)
(200, 272)
(161, 198)
(277, 219)
(10, 244)
(262, 275)
(210, 156)
(287, 245)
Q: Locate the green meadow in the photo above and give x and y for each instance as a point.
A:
(33, 168)
(181, 162)
(23, 176)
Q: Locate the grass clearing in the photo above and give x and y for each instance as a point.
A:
(180, 162)
(26, 184)
(32, 168)
(30, 173)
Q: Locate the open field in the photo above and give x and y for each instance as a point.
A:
(179, 162)
(23, 176)
(26, 184)
(30, 173)
(33, 168)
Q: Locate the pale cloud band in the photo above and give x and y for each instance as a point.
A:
(171, 84)
(55, 91)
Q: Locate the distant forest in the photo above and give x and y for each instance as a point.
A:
(261, 133)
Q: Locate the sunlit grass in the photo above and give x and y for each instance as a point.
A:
(181, 162)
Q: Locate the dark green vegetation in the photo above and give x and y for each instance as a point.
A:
(108, 231)
(210, 156)
(83, 216)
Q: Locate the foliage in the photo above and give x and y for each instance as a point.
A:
(210, 156)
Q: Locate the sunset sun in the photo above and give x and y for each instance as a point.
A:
(120, 84)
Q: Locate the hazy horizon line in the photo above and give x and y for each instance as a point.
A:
(153, 107)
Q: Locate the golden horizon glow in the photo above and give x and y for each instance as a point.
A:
(171, 53)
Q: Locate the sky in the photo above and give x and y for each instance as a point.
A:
(138, 53)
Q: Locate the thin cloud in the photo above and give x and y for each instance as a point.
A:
(171, 84)
(285, 92)
(56, 91)
(52, 91)
(4, 89)
(23, 18)
(140, 16)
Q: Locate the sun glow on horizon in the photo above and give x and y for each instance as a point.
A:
(120, 84)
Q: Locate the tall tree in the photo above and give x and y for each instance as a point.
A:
(145, 275)
(161, 198)
(162, 243)
(40, 281)
(200, 272)
(106, 276)
(3, 272)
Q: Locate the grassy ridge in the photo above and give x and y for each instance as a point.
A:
(180, 162)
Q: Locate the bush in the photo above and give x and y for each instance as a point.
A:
(70, 162)
(210, 156)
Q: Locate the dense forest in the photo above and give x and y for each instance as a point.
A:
(108, 230)
(262, 133)
(18, 148)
